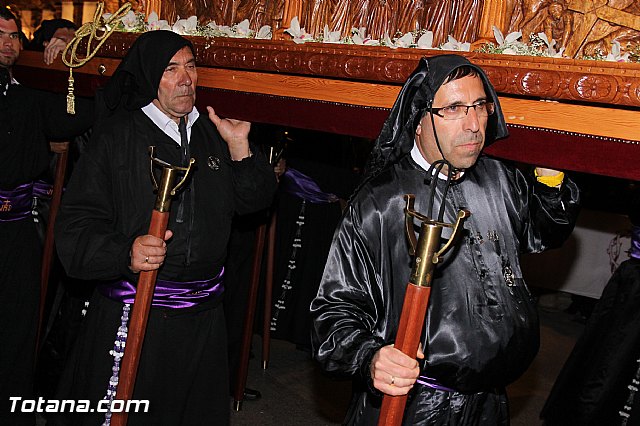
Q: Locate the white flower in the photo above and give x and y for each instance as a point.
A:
(544, 38)
(153, 23)
(226, 30)
(498, 35)
(294, 30)
(454, 44)
(426, 40)
(615, 56)
(512, 37)
(330, 36)
(242, 29)
(186, 26)
(387, 41)
(405, 41)
(299, 34)
(357, 39)
(129, 21)
(264, 32)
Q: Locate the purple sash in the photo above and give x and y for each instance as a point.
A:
(635, 242)
(42, 190)
(169, 294)
(429, 382)
(16, 204)
(302, 186)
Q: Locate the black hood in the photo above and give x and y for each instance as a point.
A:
(135, 82)
(398, 132)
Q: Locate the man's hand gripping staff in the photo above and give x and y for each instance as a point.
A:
(414, 309)
(147, 280)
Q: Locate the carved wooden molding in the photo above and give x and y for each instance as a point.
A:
(539, 77)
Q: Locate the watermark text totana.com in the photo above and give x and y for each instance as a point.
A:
(41, 405)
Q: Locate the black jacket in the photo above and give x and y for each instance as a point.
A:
(482, 326)
(110, 198)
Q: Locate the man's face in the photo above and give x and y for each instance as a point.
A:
(10, 43)
(461, 140)
(177, 90)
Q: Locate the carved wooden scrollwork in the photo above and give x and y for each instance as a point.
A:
(545, 84)
(583, 81)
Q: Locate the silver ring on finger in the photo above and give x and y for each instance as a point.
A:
(393, 381)
(146, 259)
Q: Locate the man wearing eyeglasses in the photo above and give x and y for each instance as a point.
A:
(481, 330)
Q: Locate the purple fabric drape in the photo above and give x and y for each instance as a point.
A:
(16, 204)
(297, 183)
(169, 294)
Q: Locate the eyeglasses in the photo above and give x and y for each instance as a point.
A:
(456, 112)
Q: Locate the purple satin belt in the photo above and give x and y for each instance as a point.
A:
(16, 204)
(169, 294)
(429, 382)
(302, 186)
(635, 242)
(42, 190)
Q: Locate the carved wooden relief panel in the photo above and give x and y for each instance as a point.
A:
(581, 27)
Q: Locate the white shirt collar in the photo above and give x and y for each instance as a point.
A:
(416, 155)
(167, 125)
(12, 81)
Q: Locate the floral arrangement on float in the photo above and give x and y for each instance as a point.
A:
(511, 44)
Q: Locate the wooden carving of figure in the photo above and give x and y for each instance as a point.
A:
(409, 15)
(318, 14)
(558, 24)
(534, 14)
(379, 22)
(604, 33)
(346, 16)
(496, 13)
(439, 20)
(360, 12)
(467, 20)
(209, 11)
(274, 13)
(177, 9)
(254, 11)
(514, 22)
(111, 6)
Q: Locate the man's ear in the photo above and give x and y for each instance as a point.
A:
(418, 130)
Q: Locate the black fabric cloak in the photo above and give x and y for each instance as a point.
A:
(108, 204)
(482, 326)
(29, 119)
(599, 377)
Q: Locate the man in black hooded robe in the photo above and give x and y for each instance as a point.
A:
(101, 235)
(481, 330)
(29, 119)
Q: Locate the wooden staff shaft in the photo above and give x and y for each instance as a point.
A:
(138, 323)
(414, 309)
(48, 249)
(247, 331)
(268, 290)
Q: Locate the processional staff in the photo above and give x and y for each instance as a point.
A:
(416, 299)
(147, 280)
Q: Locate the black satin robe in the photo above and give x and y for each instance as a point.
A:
(598, 379)
(482, 327)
